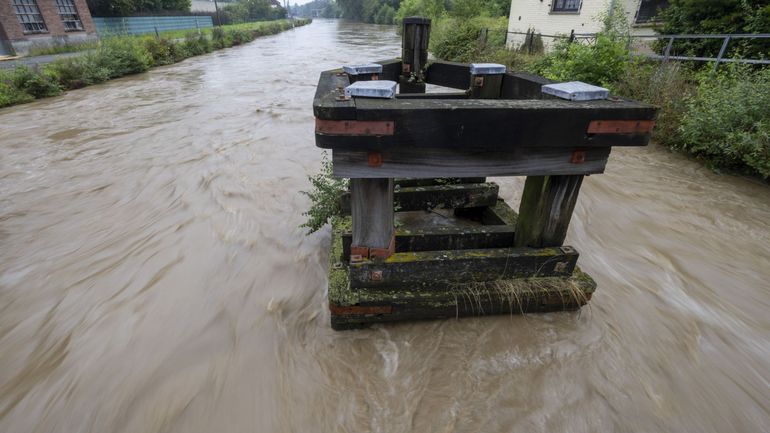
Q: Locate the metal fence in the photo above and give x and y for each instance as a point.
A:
(666, 55)
(143, 25)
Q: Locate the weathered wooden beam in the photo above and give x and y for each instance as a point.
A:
(454, 95)
(545, 211)
(403, 162)
(391, 69)
(446, 238)
(524, 86)
(486, 86)
(486, 124)
(463, 266)
(327, 103)
(408, 182)
(499, 214)
(353, 307)
(449, 74)
(438, 196)
(371, 202)
(414, 54)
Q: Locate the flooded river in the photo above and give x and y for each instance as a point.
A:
(153, 277)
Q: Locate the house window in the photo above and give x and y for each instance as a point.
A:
(648, 9)
(29, 16)
(566, 5)
(69, 15)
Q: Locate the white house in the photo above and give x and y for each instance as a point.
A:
(560, 17)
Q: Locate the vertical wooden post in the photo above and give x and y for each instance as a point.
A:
(414, 54)
(486, 80)
(371, 206)
(546, 209)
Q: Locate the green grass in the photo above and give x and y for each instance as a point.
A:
(124, 55)
(64, 48)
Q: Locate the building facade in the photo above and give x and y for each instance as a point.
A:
(25, 24)
(561, 17)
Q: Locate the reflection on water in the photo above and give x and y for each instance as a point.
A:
(153, 278)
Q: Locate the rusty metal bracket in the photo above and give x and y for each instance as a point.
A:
(621, 126)
(359, 309)
(578, 156)
(354, 127)
(374, 159)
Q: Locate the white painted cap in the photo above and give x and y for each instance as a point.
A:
(384, 89)
(364, 68)
(487, 69)
(576, 91)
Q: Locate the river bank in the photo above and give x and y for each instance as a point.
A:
(125, 55)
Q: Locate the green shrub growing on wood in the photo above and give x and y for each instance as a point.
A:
(324, 197)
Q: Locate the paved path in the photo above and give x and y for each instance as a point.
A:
(37, 60)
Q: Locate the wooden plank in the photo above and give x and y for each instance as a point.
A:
(454, 95)
(449, 74)
(325, 103)
(463, 266)
(447, 163)
(407, 182)
(391, 69)
(486, 86)
(524, 86)
(446, 238)
(353, 307)
(499, 214)
(545, 211)
(439, 196)
(371, 203)
(486, 124)
(414, 54)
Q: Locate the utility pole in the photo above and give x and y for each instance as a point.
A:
(219, 20)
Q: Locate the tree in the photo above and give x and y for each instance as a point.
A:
(718, 16)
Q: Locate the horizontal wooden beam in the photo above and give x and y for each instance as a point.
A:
(414, 162)
(463, 266)
(491, 124)
(524, 86)
(327, 103)
(438, 196)
(407, 182)
(455, 95)
(449, 74)
(391, 69)
(446, 238)
(499, 214)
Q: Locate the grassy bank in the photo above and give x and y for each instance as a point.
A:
(722, 119)
(119, 56)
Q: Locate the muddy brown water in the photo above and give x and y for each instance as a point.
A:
(153, 277)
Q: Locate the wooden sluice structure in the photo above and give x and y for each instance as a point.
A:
(422, 151)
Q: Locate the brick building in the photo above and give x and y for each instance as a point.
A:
(39, 23)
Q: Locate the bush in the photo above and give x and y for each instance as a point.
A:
(162, 51)
(121, 56)
(77, 72)
(325, 197)
(33, 83)
(196, 44)
(10, 95)
(599, 63)
(666, 85)
(458, 39)
(727, 121)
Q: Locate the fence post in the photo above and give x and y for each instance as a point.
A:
(572, 36)
(668, 49)
(721, 53)
(483, 37)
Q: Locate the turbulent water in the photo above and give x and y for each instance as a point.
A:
(153, 277)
